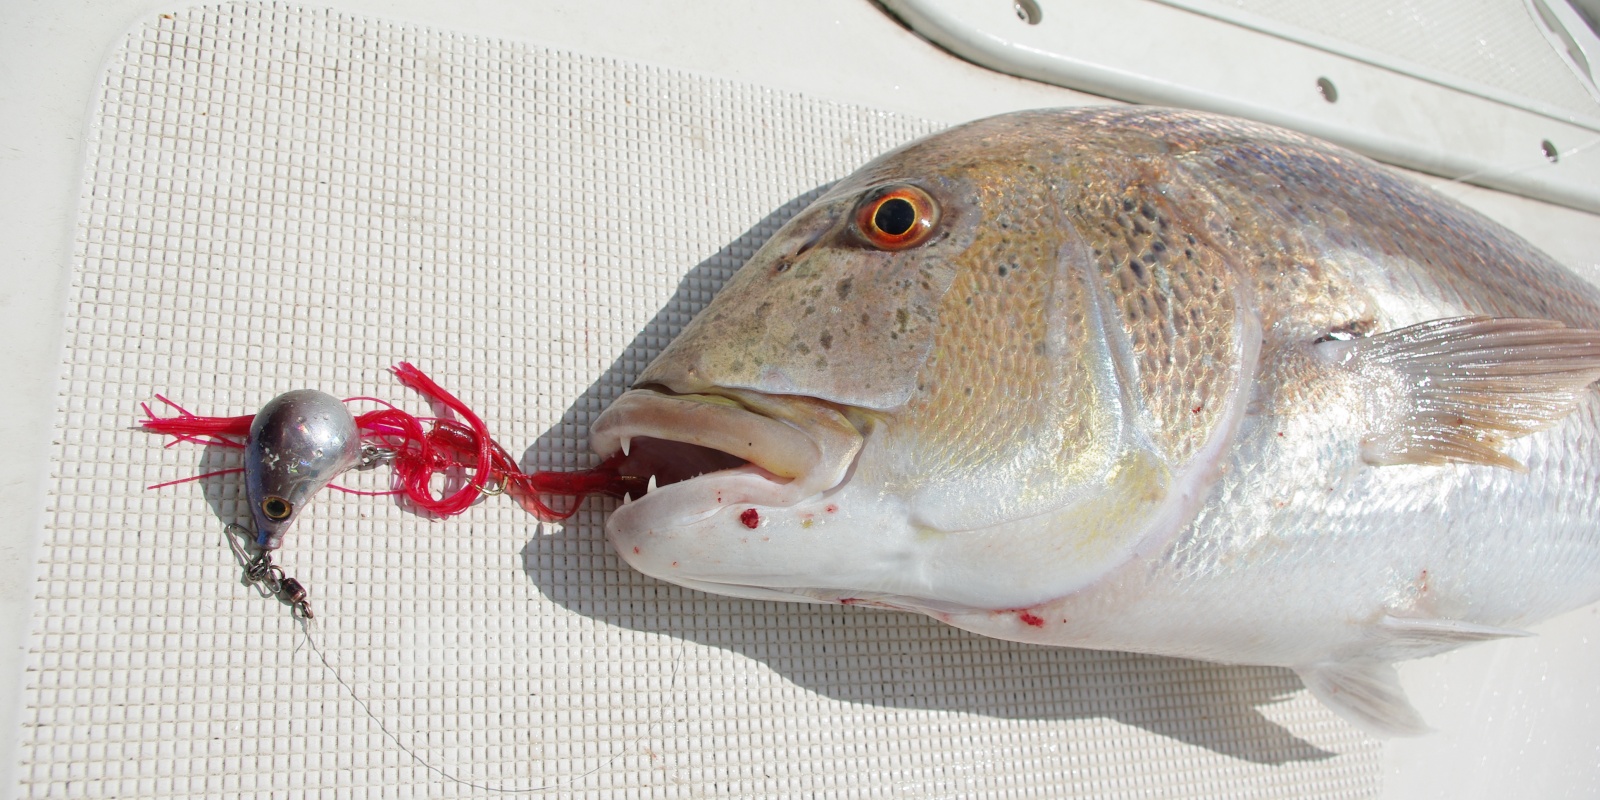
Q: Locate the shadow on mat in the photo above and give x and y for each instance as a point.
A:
(896, 660)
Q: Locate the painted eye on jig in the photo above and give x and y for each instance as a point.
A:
(898, 218)
(276, 508)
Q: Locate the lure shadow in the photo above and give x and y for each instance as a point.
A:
(901, 661)
(225, 494)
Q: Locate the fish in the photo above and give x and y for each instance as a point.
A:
(298, 443)
(1136, 379)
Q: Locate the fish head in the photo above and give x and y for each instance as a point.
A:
(299, 441)
(920, 393)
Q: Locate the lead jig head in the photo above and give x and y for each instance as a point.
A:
(299, 442)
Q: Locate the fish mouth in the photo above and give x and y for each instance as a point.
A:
(693, 455)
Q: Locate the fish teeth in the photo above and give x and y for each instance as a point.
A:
(651, 486)
(627, 441)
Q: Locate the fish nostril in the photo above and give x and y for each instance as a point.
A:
(811, 241)
(784, 263)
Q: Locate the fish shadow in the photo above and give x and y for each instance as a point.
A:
(888, 659)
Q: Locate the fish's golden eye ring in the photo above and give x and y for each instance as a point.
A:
(276, 508)
(898, 218)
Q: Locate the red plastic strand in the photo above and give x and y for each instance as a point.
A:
(421, 452)
(457, 501)
(193, 478)
(363, 492)
(187, 427)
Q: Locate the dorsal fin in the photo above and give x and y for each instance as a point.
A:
(1470, 384)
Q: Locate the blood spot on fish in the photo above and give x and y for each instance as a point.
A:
(1197, 409)
(1031, 619)
(831, 508)
(750, 517)
(849, 601)
(636, 550)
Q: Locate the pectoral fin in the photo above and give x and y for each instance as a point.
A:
(1416, 637)
(1467, 385)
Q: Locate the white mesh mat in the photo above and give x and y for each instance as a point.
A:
(280, 197)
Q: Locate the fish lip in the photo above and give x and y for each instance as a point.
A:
(793, 447)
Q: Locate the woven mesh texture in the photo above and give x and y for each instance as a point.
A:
(280, 197)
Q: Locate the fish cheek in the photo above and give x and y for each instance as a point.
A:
(1015, 409)
(843, 323)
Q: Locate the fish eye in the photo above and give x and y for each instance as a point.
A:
(897, 218)
(276, 508)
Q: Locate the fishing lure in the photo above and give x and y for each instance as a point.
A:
(302, 440)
